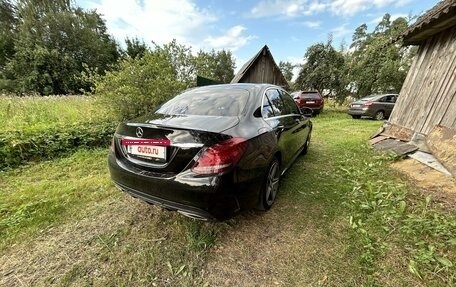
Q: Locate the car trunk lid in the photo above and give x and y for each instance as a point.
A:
(172, 141)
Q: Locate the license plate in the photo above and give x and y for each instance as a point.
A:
(148, 151)
(310, 102)
(356, 106)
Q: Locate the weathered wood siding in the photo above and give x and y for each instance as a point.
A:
(263, 71)
(428, 96)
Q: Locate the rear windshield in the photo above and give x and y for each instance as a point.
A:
(310, 95)
(207, 102)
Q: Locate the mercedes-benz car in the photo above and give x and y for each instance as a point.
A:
(211, 151)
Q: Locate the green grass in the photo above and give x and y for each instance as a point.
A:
(38, 196)
(342, 218)
(34, 112)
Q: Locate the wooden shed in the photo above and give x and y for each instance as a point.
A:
(261, 68)
(426, 107)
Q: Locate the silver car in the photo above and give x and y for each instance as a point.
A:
(378, 107)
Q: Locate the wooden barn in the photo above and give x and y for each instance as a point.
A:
(426, 107)
(261, 69)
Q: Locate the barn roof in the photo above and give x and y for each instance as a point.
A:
(441, 17)
(245, 68)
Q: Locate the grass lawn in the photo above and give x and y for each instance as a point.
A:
(342, 218)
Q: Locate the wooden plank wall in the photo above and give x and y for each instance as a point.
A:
(263, 71)
(428, 95)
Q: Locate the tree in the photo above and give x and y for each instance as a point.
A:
(323, 69)
(182, 61)
(138, 86)
(135, 48)
(377, 65)
(54, 43)
(8, 23)
(287, 70)
(218, 66)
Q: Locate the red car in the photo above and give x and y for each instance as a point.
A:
(309, 99)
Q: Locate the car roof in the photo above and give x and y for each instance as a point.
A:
(377, 96)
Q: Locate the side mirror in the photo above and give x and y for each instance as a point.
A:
(307, 112)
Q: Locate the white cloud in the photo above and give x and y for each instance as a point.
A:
(159, 21)
(341, 31)
(351, 7)
(233, 39)
(312, 24)
(315, 7)
(288, 8)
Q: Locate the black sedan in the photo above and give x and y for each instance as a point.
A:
(211, 151)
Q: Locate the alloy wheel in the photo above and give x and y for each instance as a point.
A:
(272, 183)
(379, 115)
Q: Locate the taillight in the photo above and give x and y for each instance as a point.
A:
(220, 157)
(368, 104)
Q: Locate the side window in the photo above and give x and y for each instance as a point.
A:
(382, 99)
(274, 98)
(267, 110)
(390, 99)
(289, 104)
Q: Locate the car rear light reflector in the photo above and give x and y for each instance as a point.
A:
(220, 157)
(368, 104)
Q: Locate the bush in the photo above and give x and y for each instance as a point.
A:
(138, 86)
(20, 146)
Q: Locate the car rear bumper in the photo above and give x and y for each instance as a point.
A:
(359, 112)
(202, 197)
(315, 109)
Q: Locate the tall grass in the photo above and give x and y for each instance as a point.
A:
(33, 112)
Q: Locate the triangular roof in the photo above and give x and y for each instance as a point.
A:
(253, 61)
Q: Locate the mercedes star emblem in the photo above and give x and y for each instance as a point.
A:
(139, 132)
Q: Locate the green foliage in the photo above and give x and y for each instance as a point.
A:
(138, 86)
(287, 70)
(135, 48)
(53, 42)
(182, 61)
(8, 23)
(382, 218)
(20, 146)
(377, 65)
(218, 66)
(373, 64)
(323, 69)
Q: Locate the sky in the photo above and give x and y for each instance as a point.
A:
(244, 27)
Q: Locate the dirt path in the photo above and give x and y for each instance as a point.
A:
(60, 249)
(272, 250)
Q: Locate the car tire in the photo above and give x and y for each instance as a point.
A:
(307, 143)
(270, 185)
(356, 117)
(379, 115)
